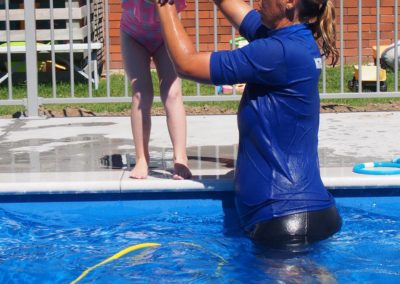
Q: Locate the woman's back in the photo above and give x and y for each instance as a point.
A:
(278, 126)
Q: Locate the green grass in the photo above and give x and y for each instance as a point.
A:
(333, 86)
(117, 88)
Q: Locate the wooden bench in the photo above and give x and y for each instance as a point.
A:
(62, 48)
(81, 32)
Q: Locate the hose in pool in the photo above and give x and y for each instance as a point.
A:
(221, 262)
(115, 256)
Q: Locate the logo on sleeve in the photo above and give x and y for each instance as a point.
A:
(318, 63)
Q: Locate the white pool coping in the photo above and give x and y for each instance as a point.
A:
(349, 135)
(118, 181)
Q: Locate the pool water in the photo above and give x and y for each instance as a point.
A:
(55, 242)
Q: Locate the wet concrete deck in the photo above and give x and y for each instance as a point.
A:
(94, 154)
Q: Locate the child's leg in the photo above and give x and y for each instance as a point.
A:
(171, 96)
(137, 66)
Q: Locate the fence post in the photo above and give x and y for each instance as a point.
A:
(31, 58)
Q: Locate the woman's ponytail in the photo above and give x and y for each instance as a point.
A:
(326, 31)
(321, 15)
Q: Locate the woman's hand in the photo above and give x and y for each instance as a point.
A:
(163, 2)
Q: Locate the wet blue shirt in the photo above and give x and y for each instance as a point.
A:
(277, 169)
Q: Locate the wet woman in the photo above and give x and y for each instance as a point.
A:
(280, 197)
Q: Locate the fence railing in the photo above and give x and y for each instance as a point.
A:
(71, 39)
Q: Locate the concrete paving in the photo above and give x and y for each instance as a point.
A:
(95, 154)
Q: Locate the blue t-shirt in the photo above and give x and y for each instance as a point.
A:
(277, 169)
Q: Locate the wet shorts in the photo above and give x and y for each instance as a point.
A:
(297, 229)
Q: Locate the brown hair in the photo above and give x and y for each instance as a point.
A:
(321, 15)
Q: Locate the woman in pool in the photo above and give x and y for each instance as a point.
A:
(280, 197)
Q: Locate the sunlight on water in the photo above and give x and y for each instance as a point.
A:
(56, 242)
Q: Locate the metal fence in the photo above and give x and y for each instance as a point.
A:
(85, 34)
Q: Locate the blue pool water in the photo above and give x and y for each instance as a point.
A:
(54, 242)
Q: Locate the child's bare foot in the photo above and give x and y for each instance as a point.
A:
(141, 170)
(181, 171)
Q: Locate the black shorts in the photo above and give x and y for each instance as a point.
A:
(297, 229)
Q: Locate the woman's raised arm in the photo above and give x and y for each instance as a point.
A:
(233, 10)
(188, 63)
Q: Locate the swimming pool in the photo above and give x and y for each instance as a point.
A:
(196, 241)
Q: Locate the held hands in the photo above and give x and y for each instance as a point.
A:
(163, 2)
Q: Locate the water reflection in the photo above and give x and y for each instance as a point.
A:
(96, 153)
(205, 161)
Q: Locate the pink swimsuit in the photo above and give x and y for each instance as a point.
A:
(140, 20)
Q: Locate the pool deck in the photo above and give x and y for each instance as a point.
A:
(87, 155)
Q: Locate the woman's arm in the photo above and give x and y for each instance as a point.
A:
(188, 63)
(233, 10)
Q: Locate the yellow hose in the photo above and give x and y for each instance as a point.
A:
(114, 257)
(222, 261)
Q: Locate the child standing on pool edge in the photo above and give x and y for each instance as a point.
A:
(279, 193)
(141, 40)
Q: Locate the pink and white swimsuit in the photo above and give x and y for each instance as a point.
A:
(140, 20)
